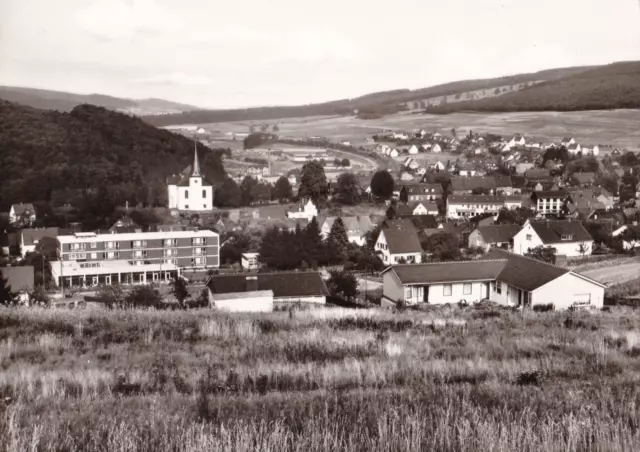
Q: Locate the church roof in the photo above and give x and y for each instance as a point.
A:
(193, 170)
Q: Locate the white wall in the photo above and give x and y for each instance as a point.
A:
(172, 192)
(320, 299)
(571, 249)
(196, 201)
(566, 290)
(436, 293)
(253, 304)
(392, 287)
(389, 258)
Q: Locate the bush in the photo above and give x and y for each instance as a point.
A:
(543, 307)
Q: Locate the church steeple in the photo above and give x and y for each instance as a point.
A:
(196, 163)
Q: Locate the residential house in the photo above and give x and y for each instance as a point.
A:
(305, 211)
(514, 201)
(436, 148)
(466, 206)
(566, 142)
(517, 140)
(398, 241)
(629, 240)
(250, 261)
(394, 153)
(413, 150)
(574, 148)
(501, 276)
(90, 259)
(357, 228)
(467, 185)
(439, 166)
(583, 179)
(468, 169)
(421, 208)
(20, 279)
(494, 236)
(264, 292)
(24, 213)
(538, 174)
(30, 238)
(552, 202)
(421, 191)
(568, 237)
(125, 224)
(426, 147)
(504, 185)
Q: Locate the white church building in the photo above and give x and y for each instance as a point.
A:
(190, 191)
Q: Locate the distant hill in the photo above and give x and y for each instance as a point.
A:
(91, 157)
(63, 101)
(607, 87)
(376, 104)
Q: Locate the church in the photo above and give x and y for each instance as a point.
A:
(190, 191)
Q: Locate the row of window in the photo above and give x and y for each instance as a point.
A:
(447, 290)
(134, 244)
(136, 254)
(186, 194)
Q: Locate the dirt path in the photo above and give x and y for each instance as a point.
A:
(615, 274)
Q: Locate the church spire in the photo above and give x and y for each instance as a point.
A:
(196, 163)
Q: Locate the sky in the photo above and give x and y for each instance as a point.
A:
(226, 54)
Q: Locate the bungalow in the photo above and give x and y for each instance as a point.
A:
(501, 276)
(398, 241)
(24, 213)
(29, 238)
(568, 237)
(467, 185)
(263, 292)
(494, 236)
(465, 206)
(357, 228)
(20, 279)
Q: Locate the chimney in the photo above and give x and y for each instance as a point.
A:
(251, 284)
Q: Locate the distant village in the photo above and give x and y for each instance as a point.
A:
(456, 218)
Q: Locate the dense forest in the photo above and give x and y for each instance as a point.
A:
(607, 87)
(90, 158)
(368, 106)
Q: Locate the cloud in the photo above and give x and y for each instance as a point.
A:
(122, 20)
(175, 78)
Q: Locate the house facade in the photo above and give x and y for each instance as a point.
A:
(89, 259)
(30, 238)
(307, 212)
(250, 261)
(494, 236)
(550, 203)
(398, 242)
(417, 192)
(466, 206)
(22, 211)
(568, 237)
(191, 191)
(501, 276)
(356, 226)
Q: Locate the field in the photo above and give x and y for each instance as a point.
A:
(453, 380)
(618, 128)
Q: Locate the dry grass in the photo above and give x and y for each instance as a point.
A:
(365, 380)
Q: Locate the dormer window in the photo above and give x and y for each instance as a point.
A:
(566, 237)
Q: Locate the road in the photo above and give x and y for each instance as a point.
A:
(615, 274)
(354, 155)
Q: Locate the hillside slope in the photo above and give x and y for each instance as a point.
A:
(63, 101)
(607, 87)
(380, 103)
(90, 156)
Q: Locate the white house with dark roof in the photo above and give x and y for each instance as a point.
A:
(465, 206)
(30, 238)
(494, 236)
(20, 279)
(22, 211)
(356, 226)
(517, 140)
(190, 191)
(568, 237)
(501, 276)
(398, 241)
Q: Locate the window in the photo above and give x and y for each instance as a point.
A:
(204, 193)
(94, 255)
(94, 245)
(498, 287)
(529, 237)
(407, 293)
(204, 206)
(447, 289)
(466, 289)
(94, 281)
(186, 206)
(186, 194)
(566, 237)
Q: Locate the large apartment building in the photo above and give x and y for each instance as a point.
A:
(89, 259)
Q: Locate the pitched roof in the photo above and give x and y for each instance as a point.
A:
(550, 194)
(524, 272)
(503, 181)
(475, 199)
(461, 183)
(498, 233)
(536, 173)
(354, 225)
(31, 236)
(21, 208)
(285, 284)
(448, 272)
(19, 278)
(584, 178)
(401, 236)
(553, 231)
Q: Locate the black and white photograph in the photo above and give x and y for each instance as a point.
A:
(360, 226)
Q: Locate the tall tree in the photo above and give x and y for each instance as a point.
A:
(343, 285)
(313, 182)
(443, 246)
(179, 290)
(338, 242)
(228, 194)
(382, 184)
(282, 191)
(348, 189)
(313, 244)
(269, 254)
(7, 296)
(247, 188)
(404, 195)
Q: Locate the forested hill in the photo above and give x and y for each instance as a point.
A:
(89, 156)
(603, 88)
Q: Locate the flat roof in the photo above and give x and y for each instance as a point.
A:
(74, 268)
(82, 238)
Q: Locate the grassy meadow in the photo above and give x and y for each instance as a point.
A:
(331, 379)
